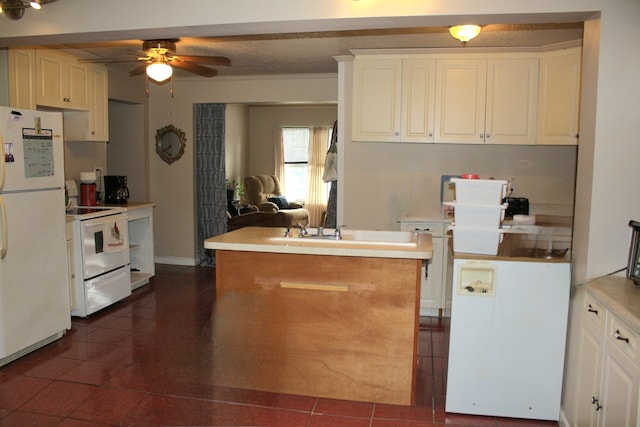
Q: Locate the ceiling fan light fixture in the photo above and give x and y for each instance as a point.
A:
(35, 4)
(159, 71)
(464, 33)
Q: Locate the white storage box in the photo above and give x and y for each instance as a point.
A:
(480, 191)
(478, 216)
(480, 241)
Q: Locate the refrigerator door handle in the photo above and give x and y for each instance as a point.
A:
(4, 229)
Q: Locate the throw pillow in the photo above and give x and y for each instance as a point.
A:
(280, 201)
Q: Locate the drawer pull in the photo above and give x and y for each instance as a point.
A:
(619, 337)
(590, 309)
(314, 286)
(596, 402)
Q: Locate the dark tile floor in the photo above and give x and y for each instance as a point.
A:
(144, 362)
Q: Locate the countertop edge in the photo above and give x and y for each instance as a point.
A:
(620, 296)
(239, 240)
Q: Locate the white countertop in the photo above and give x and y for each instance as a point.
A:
(261, 239)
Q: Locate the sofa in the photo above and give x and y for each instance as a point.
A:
(259, 219)
(264, 192)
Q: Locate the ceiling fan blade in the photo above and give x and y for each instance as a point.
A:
(139, 69)
(194, 68)
(210, 60)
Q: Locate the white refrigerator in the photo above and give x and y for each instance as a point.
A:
(34, 290)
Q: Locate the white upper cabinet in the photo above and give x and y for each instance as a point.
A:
(418, 99)
(376, 99)
(61, 81)
(92, 125)
(559, 105)
(22, 90)
(393, 99)
(486, 101)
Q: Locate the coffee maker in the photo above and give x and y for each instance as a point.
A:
(115, 189)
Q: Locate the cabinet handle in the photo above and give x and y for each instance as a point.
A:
(430, 134)
(396, 133)
(482, 136)
(66, 99)
(487, 135)
(590, 309)
(619, 337)
(596, 402)
(422, 229)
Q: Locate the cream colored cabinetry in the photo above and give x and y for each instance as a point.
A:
(94, 124)
(434, 298)
(559, 104)
(61, 81)
(486, 100)
(393, 99)
(141, 250)
(608, 375)
(22, 79)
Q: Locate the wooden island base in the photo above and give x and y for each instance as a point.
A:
(317, 325)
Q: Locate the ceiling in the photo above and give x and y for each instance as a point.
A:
(314, 52)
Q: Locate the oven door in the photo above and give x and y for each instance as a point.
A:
(105, 244)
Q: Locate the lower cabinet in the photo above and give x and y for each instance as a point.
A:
(434, 298)
(607, 372)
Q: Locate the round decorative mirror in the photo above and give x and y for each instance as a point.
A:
(170, 142)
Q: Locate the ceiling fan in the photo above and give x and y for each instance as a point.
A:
(160, 56)
(14, 9)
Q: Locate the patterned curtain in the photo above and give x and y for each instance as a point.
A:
(211, 195)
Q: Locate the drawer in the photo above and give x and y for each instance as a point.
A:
(593, 313)
(622, 337)
(436, 229)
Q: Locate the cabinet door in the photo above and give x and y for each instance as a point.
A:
(512, 99)
(559, 104)
(418, 99)
(460, 100)
(22, 68)
(50, 72)
(376, 99)
(588, 366)
(432, 286)
(99, 111)
(77, 90)
(620, 382)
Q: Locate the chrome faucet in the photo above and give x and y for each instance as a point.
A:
(338, 233)
(303, 230)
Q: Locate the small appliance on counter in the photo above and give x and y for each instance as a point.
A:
(88, 189)
(115, 189)
(633, 266)
(517, 206)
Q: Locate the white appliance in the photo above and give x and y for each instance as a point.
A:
(507, 342)
(34, 290)
(101, 257)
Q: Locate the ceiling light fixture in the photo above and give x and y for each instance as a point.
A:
(159, 71)
(14, 9)
(464, 33)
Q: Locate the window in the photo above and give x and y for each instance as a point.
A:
(295, 143)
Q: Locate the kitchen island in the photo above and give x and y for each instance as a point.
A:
(316, 317)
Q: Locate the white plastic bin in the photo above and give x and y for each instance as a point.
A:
(480, 241)
(478, 216)
(480, 191)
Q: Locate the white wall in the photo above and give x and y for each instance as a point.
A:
(266, 121)
(236, 138)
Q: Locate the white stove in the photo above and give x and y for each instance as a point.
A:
(100, 257)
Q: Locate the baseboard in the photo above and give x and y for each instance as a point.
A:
(563, 421)
(175, 261)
